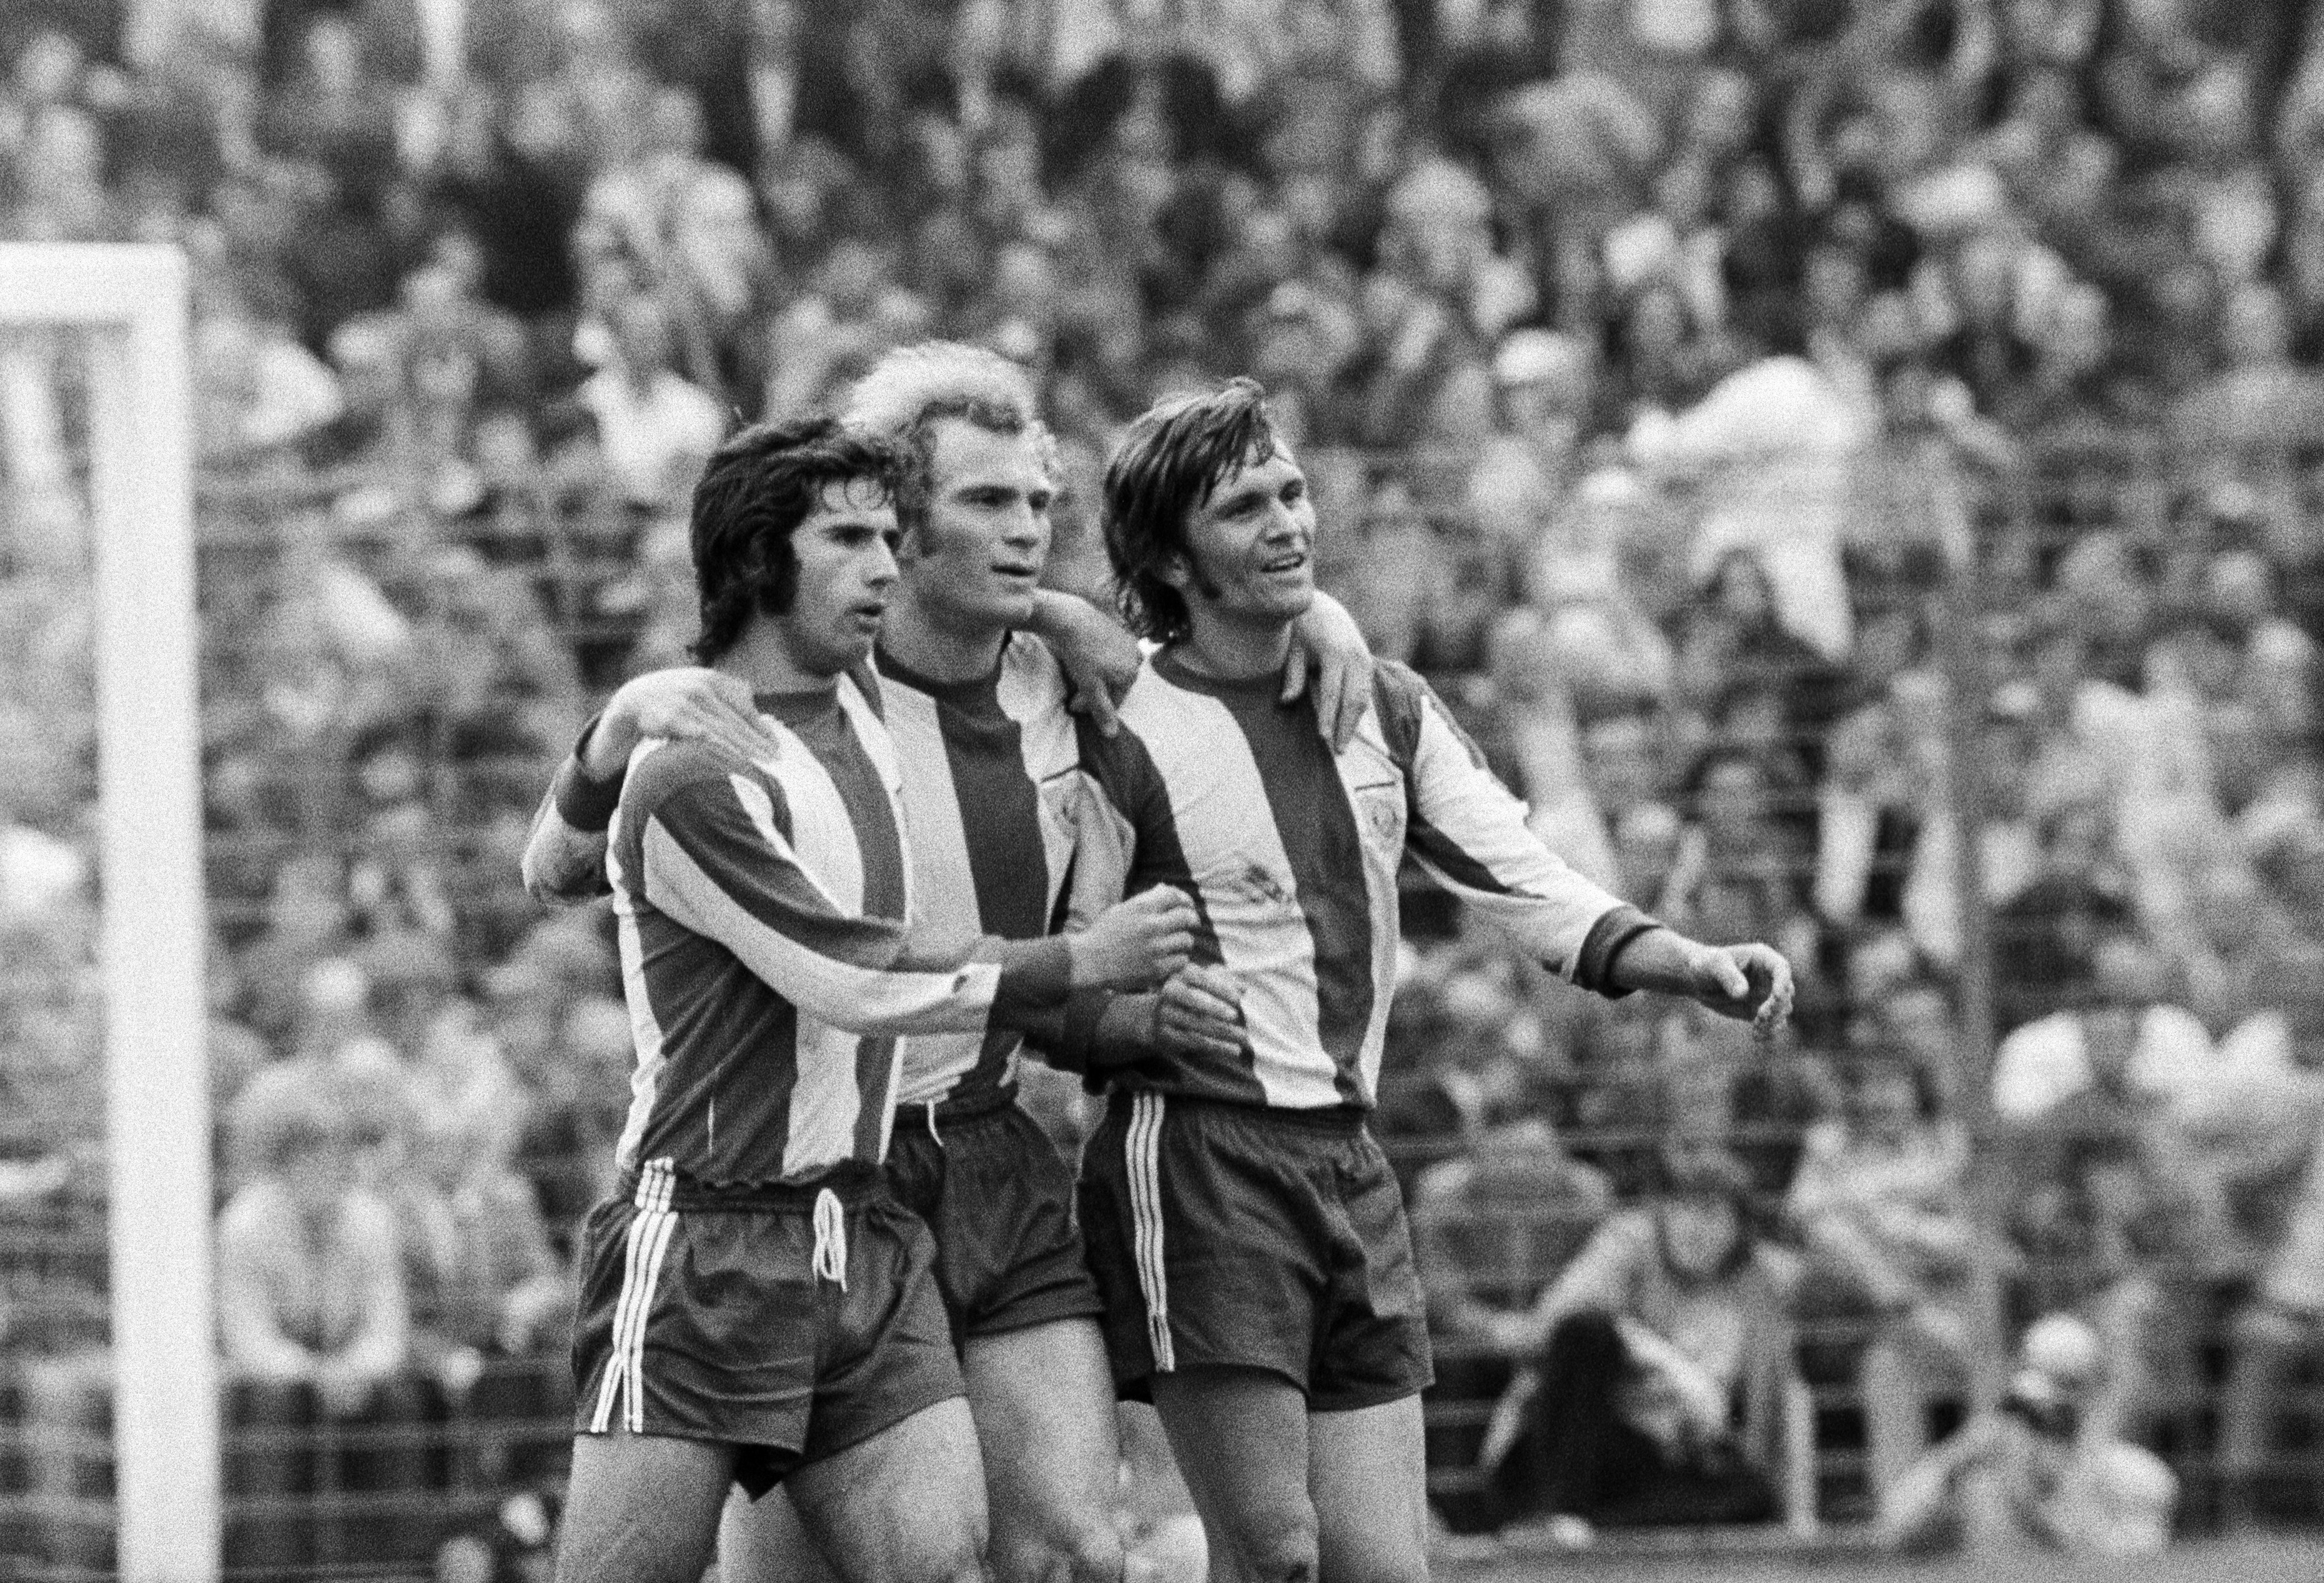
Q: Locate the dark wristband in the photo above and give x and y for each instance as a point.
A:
(585, 803)
(1604, 946)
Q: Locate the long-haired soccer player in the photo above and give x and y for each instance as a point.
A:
(1244, 1226)
(990, 760)
(757, 1307)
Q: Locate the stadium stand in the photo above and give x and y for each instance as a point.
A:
(1855, 469)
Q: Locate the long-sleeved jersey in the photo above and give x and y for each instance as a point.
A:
(765, 957)
(1290, 854)
(991, 795)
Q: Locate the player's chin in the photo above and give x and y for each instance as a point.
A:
(849, 646)
(1289, 601)
(1007, 605)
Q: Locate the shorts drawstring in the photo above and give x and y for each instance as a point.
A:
(830, 1238)
(932, 1125)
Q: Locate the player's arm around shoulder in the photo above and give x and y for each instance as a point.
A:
(565, 856)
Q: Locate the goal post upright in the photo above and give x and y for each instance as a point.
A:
(130, 299)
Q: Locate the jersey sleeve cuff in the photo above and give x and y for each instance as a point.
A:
(582, 802)
(1593, 969)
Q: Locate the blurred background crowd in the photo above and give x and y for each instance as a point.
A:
(1851, 463)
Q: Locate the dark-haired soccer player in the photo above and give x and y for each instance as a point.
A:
(1242, 1223)
(758, 1307)
(990, 758)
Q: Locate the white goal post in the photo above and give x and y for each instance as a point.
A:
(129, 304)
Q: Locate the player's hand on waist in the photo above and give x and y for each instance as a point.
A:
(1134, 944)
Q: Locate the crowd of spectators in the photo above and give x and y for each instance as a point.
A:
(1846, 460)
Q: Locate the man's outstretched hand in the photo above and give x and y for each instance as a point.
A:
(1750, 983)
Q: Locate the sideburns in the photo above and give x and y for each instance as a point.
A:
(1210, 591)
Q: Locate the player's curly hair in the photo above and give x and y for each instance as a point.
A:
(753, 494)
(911, 389)
(1177, 453)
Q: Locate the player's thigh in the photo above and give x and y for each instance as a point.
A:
(906, 1506)
(642, 1508)
(1043, 1400)
(1240, 1438)
(764, 1542)
(1368, 1474)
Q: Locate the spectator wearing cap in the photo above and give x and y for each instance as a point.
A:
(2032, 1475)
(1657, 1364)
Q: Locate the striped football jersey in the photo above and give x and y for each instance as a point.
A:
(992, 800)
(760, 913)
(1291, 853)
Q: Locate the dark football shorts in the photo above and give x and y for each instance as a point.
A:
(1236, 1236)
(764, 1317)
(1001, 1204)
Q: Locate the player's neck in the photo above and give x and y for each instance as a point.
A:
(766, 660)
(1234, 651)
(927, 644)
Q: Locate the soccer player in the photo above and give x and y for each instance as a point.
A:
(1242, 1221)
(758, 1307)
(989, 756)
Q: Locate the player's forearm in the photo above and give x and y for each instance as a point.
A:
(1092, 1027)
(1037, 978)
(1002, 983)
(562, 864)
(565, 856)
(1657, 960)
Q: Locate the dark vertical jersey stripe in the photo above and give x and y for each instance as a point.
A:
(1001, 815)
(988, 854)
(1305, 795)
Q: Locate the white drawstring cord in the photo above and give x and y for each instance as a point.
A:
(932, 1125)
(830, 1238)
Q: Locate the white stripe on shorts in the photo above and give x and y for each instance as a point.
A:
(648, 1241)
(1142, 1154)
